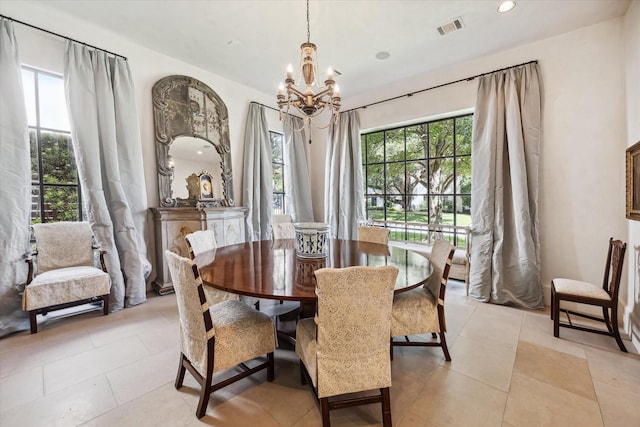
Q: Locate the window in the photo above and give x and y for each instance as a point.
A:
(417, 175)
(55, 189)
(277, 162)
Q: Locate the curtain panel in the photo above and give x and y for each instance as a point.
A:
(297, 183)
(344, 198)
(15, 184)
(108, 150)
(257, 175)
(507, 134)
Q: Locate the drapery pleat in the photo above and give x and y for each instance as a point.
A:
(343, 197)
(108, 149)
(15, 184)
(297, 183)
(257, 176)
(507, 133)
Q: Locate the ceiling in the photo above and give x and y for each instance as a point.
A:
(251, 42)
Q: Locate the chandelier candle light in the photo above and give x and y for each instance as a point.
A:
(309, 103)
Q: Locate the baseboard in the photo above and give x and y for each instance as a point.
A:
(632, 325)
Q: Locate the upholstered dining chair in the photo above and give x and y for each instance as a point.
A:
(65, 274)
(345, 349)
(282, 227)
(216, 337)
(372, 234)
(203, 241)
(421, 310)
(605, 296)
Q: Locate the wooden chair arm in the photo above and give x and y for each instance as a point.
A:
(29, 260)
(101, 251)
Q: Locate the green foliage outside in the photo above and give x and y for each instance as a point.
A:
(422, 172)
(59, 178)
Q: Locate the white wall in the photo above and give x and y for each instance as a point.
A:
(632, 79)
(582, 161)
(44, 51)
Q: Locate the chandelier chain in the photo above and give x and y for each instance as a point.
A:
(308, 28)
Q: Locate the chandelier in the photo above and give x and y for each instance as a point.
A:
(307, 102)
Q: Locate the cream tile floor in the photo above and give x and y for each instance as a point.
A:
(507, 370)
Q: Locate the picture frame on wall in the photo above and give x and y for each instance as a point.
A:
(633, 182)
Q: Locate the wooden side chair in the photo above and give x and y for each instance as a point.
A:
(199, 242)
(216, 337)
(421, 310)
(605, 296)
(66, 275)
(372, 234)
(345, 349)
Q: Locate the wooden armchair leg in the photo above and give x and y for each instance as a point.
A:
(181, 372)
(33, 321)
(303, 374)
(445, 349)
(324, 406)
(386, 407)
(105, 304)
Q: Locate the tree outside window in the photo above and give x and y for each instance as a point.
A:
(419, 174)
(55, 189)
(277, 163)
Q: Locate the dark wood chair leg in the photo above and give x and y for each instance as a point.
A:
(33, 321)
(553, 291)
(445, 349)
(556, 316)
(324, 406)
(607, 321)
(271, 367)
(303, 375)
(204, 395)
(616, 331)
(386, 407)
(105, 304)
(391, 348)
(181, 371)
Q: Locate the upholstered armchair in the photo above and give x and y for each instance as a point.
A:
(199, 242)
(373, 234)
(421, 310)
(64, 273)
(216, 337)
(345, 349)
(282, 227)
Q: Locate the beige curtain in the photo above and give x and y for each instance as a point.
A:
(15, 184)
(507, 134)
(297, 183)
(257, 176)
(108, 150)
(344, 198)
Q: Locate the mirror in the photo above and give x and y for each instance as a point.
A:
(190, 118)
(189, 155)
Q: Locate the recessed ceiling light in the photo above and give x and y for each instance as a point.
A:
(199, 151)
(382, 55)
(506, 6)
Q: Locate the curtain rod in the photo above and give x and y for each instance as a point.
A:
(265, 106)
(61, 36)
(441, 85)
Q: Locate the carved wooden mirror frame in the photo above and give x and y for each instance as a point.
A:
(184, 106)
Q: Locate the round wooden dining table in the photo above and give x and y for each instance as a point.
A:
(271, 269)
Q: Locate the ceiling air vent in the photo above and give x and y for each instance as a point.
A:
(451, 26)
